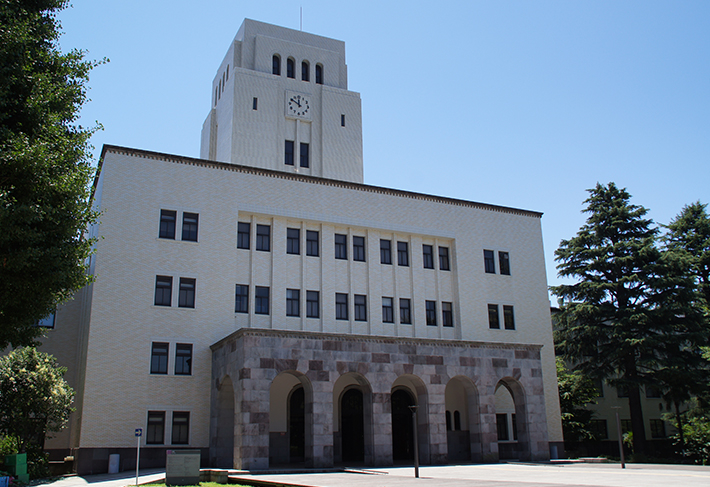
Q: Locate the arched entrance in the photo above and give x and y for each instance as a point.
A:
(402, 426)
(352, 426)
(290, 419)
(462, 420)
(297, 425)
(511, 422)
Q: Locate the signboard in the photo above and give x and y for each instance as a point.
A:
(139, 432)
(182, 467)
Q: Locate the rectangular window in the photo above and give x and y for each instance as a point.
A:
(293, 241)
(341, 306)
(288, 153)
(312, 304)
(625, 426)
(652, 392)
(263, 238)
(243, 234)
(387, 310)
(341, 246)
(428, 252)
(403, 253)
(508, 318)
(502, 426)
(359, 249)
(155, 432)
(447, 315)
(489, 261)
(430, 313)
(622, 391)
(504, 263)
(241, 299)
(360, 307)
(342, 120)
(293, 302)
(493, 320)
(304, 155)
(163, 290)
(385, 252)
(312, 243)
(261, 304)
(181, 428)
(658, 428)
(167, 224)
(254, 103)
(405, 311)
(189, 226)
(186, 298)
(599, 429)
(183, 359)
(159, 358)
(444, 259)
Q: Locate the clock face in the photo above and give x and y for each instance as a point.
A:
(298, 106)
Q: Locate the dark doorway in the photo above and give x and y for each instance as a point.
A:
(402, 426)
(352, 426)
(297, 426)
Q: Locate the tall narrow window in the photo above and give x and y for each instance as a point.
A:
(502, 426)
(254, 103)
(319, 74)
(243, 234)
(447, 315)
(155, 433)
(457, 421)
(263, 238)
(508, 318)
(293, 241)
(444, 259)
(428, 254)
(305, 71)
(403, 253)
(385, 252)
(387, 310)
(187, 293)
(341, 306)
(305, 155)
(504, 263)
(241, 299)
(493, 319)
(163, 290)
(159, 358)
(293, 302)
(167, 224)
(276, 65)
(430, 313)
(341, 246)
(489, 261)
(359, 249)
(342, 120)
(312, 243)
(189, 226)
(261, 305)
(290, 68)
(288, 153)
(183, 359)
(312, 304)
(405, 311)
(181, 428)
(360, 302)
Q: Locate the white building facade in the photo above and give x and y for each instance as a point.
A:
(265, 306)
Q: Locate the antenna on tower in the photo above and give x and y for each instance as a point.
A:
(301, 18)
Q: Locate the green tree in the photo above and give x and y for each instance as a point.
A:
(45, 169)
(34, 397)
(605, 324)
(576, 392)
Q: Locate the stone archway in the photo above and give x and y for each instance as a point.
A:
(511, 420)
(409, 390)
(353, 425)
(462, 421)
(291, 419)
(222, 447)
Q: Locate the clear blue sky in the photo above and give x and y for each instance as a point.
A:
(516, 103)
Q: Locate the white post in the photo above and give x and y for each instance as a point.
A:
(139, 432)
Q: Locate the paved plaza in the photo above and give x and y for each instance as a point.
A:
(484, 475)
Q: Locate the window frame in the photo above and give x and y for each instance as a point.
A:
(261, 300)
(508, 317)
(319, 74)
(304, 153)
(159, 358)
(289, 149)
(186, 292)
(276, 65)
(444, 261)
(312, 244)
(358, 248)
(293, 302)
(165, 285)
(387, 309)
(403, 254)
(405, 311)
(151, 437)
(183, 366)
(493, 317)
(190, 229)
(447, 314)
(182, 431)
(428, 256)
(291, 68)
(489, 263)
(312, 304)
(305, 71)
(504, 263)
(293, 241)
(360, 307)
(167, 226)
(243, 236)
(430, 307)
(241, 299)
(341, 306)
(263, 238)
(341, 246)
(385, 251)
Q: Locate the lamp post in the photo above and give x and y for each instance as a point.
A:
(618, 433)
(416, 441)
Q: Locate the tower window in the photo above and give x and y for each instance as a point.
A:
(305, 71)
(342, 120)
(385, 251)
(341, 246)
(304, 154)
(290, 68)
(319, 74)
(276, 65)
(288, 153)
(254, 103)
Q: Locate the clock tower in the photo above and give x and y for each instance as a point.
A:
(280, 101)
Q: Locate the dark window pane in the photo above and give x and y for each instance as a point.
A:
(493, 320)
(405, 313)
(155, 433)
(187, 293)
(159, 358)
(319, 74)
(241, 299)
(341, 246)
(387, 310)
(403, 253)
(276, 65)
(508, 318)
(189, 226)
(341, 306)
(504, 263)
(360, 307)
(447, 314)
(502, 426)
(385, 251)
(293, 241)
(288, 153)
(359, 249)
(167, 224)
(489, 262)
(444, 258)
(430, 313)
(457, 421)
(428, 252)
(304, 154)
(263, 238)
(290, 68)
(163, 290)
(261, 304)
(658, 428)
(312, 243)
(181, 428)
(305, 71)
(293, 302)
(312, 304)
(183, 359)
(243, 234)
